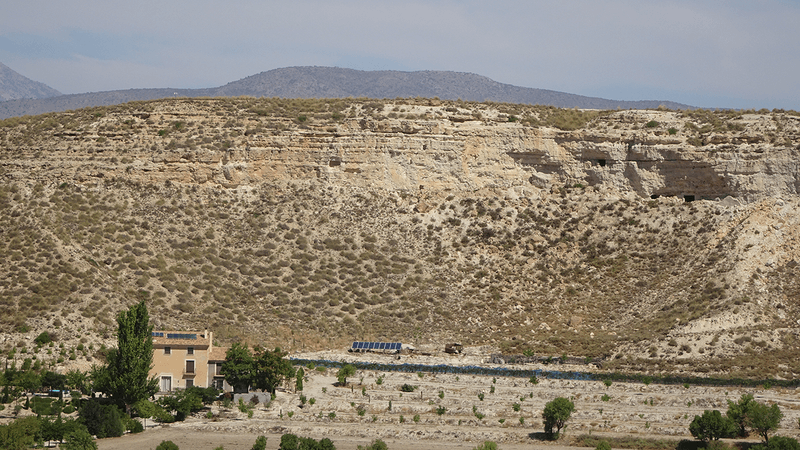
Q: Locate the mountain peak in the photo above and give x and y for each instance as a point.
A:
(14, 86)
(337, 82)
(328, 82)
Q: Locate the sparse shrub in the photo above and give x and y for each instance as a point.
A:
(487, 445)
(260, 444)
(167, 445)
(43, 339)
(377, 444)
(603, 445)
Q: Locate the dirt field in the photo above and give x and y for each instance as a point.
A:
(660, 411)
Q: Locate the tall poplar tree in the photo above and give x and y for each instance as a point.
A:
(129, 364)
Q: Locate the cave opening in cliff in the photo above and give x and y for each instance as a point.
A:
(335, 162)
(654, 196)
(601, 162)
(688, 198)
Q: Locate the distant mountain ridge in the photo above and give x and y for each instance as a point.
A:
(335, 82)
(15, 86)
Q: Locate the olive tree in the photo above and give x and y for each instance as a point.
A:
(556, 414)
(711, 426)
(348, 370)
(270, 369)
(737, 412)
(238, 367)
(763, 419)
(779, 443)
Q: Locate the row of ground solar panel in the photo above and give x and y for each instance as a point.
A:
(376, 346)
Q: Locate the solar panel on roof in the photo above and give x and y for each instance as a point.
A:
(182, 336)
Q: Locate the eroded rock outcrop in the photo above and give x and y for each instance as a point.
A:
(653, 153)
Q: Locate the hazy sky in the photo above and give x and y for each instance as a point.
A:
(725, 53)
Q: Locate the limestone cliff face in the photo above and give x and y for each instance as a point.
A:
(402, 155)
(652, 153)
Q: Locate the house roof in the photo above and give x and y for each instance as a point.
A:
(167, 338)
(217, 354)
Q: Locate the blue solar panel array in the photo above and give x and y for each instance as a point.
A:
(175, 335)
(365, 346)
(181, 336)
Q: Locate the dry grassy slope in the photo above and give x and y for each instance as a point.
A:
(310, 223)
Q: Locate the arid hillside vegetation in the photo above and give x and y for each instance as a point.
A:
(311, 223)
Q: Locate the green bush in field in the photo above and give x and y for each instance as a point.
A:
(167, 445)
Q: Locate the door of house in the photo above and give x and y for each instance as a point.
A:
(218, 383)
(166, 384)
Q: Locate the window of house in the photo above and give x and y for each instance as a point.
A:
(219, 369)
(167, 350)
(189, 383)
(190, 351)
(189, 366)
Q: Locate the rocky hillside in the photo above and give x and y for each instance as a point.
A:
(659, 240)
